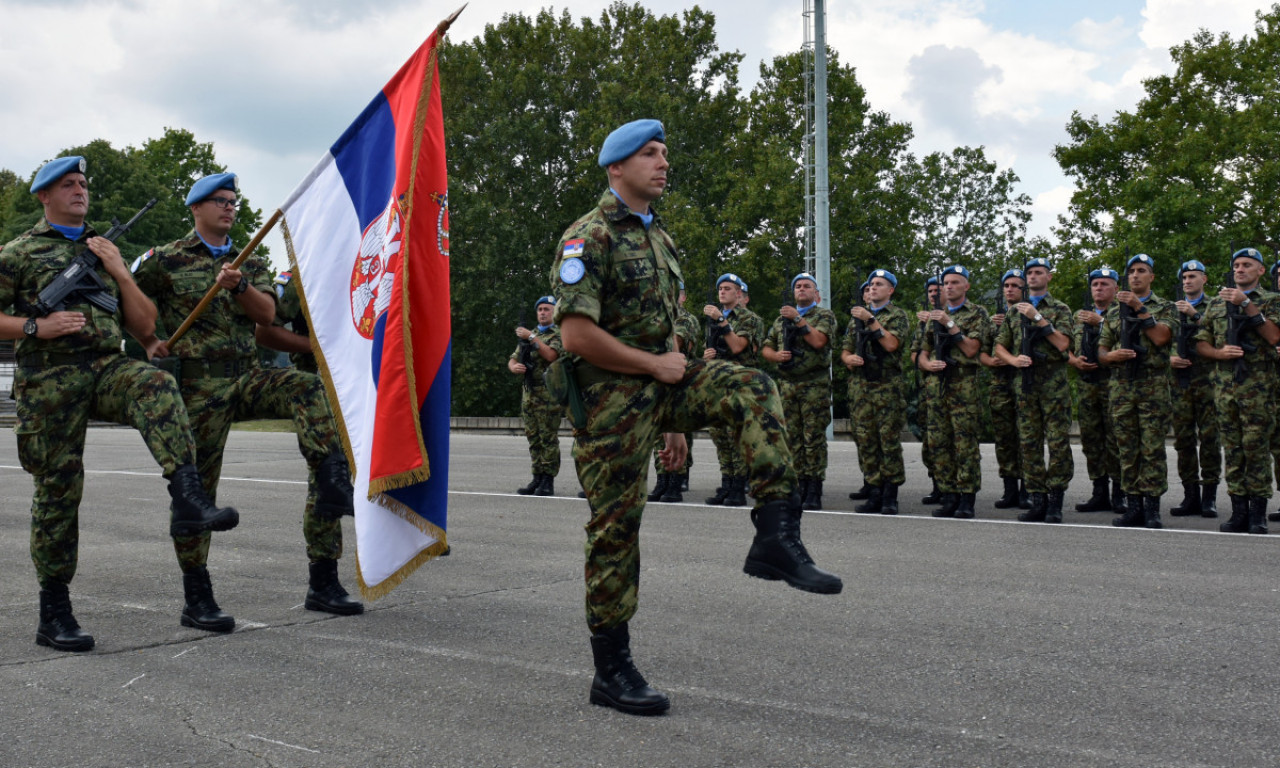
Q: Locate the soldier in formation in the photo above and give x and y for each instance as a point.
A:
(735, 335)
(538, 347)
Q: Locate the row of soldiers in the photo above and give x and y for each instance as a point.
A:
(1206, 365)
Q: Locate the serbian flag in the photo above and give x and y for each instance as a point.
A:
(368, 235)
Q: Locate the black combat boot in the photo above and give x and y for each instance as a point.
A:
(935, 496)
(1024, 498)
(334, 494)
(722, 492)
(874, 503)
(1239, 520)
(192, 511)
(778, 553)
(1151, 512)
(950, 502)
(326, 594)
(1010, 498)
(1039, 509)
(802, 487)
(965, 510)
(737, 496)
(1117, 497)
(888, 499)
(547, 487)
(813, 495)
(1190, 501)
(672, 494)
(58, 629)
(862, 494)
(1257, 514)
(1134, 515)
(533, 485)
(1053, 506)
(684, 482)
(1209, 500)
(659, 488)
(1098, 502)
(618, 684)
(201, 611)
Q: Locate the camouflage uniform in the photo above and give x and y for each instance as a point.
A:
(1140, 404)
(1245, 408)
(925, 390)
(878, 410)
(750, 326)
(61, 383)
(1044, 412)
(1004, 410)
(629, 288)
(805, 387)
(1195, 419)
(1097, 431)
(688, 335)
(541, 414)
(223, 382)
(955, 413)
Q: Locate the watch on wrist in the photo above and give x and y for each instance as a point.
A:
(30, 328)
(1245, 303)
(1038, 317)
(241, 287)
(951, 324)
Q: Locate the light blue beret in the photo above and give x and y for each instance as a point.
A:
(625, 141)
(1142, 258)
(804, 276)
(1039, 261)
(545, 300)
(1013, 273)
(1249, 253)
(1192, 266)
(885, 274)
(931, 281)
(56, 169)
(1104, 272)
(729, 277)
(210, 184)
(956, 269)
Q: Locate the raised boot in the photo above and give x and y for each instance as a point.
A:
(1098, 502)
(737, 496)
(1053, 506)
(722, 491)
(672, 494)
(950, 502)
(335, 496)
(1010, 498)
(1117, 497)
(533, 485)
(874, 503)
(1209, 500)
(813, 495)
(935, 496)
(1134, 515)
(1190, 501)
(1024, 498)
(192, 511)
(1239, 520)
(777, 553)
(201, 611)
(1257, 514)
(1039, 509)
(547, 487)
(1151, 512)
(326, 594)
(888, 499)
(58, 628)
(862, 494)
(618, 684)
(965, 510)
(659, 488)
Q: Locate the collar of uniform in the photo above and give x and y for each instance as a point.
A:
(615, 210)
(43, 229)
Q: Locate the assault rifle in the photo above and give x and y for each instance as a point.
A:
(941, 339)
(791, 335)
(1089, 337)
(1005, 372)
(1130, 332)
(715, 334)
(81, 278)
(1187, 328)
(865, 345)
(1237, 322)
(1030, 332)
(527, 355)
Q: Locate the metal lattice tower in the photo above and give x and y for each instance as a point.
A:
(806, 55)
(817, 242)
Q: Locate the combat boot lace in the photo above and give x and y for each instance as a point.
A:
(777, 553)
(334, 494)
(325, 592)
(618, 684)
(58, 628)
(202, 611)
(192, 511)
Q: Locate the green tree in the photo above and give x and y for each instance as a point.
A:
(1190, 172)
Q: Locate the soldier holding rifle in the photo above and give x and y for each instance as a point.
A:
(538, 348)
(1195, 418)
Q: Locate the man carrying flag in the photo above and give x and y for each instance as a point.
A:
(616, 286)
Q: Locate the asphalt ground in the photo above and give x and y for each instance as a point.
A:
(954, 643)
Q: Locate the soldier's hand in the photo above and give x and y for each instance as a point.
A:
(675, 452)
(708, 354)
(789, 312)
(712, 311)
(854, 361)
(1123, 354)
(1023, 361)
(1233, 295)
(1088, 316)
(1026, 308)
(106, 250)
(1230, 352)
(1179, 362)
(997, 320)
(1080, 364)
(1185, 307)
(862, 313)
(523, 333)
(229, 278)
(922, 315)
(783, 355)
(668, 367)
(59, 324)
(939, 315)
(156, 348)
(519, 368)
(937, 365)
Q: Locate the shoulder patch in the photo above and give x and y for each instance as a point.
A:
(283, 278)
(574, 247)
(138, 261)
(572, 270)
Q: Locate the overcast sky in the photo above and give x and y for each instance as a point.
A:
(272, 83)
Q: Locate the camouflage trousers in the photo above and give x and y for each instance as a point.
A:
(728, 452)
(807, 407)
(1245, 421)
(955, 420)
(261, 393)
(1004, 425)
(1140, 413)
(542, 417)
(879, 416)
(55, 403)
(926, 390)
(1044, 420)
(1097, 431)
(857, 387)
(1195, 425)
(624, 417)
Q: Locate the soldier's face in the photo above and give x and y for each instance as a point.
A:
(730, 295)
(643, 176)
(932, 291)
(545, 313)
(879, 290)
(1103, 290)
(806, 292)
(1193, 283)
(1038, 278)
(66, 201)
(214, 217)
(1012, 290)
(1248, 271)
(1140, 277)
(954, 288)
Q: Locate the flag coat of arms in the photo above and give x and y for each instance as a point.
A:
(368, 235)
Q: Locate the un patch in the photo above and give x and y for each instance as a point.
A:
(571, 271)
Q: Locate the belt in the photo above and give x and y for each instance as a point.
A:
(199, 368)
(588, 374)
(46, 359)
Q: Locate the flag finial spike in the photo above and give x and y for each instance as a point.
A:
(443, 26)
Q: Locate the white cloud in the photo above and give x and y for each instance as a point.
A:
(1171, 22)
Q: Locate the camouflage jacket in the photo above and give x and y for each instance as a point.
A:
(1059, 316)
(28, 264)
(974, 323)
(550, 337)
(289, 315)
(1162, 312)
(1213, 329)
(688, 333)
(893, 319)
(810, 363)
(176, 276)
